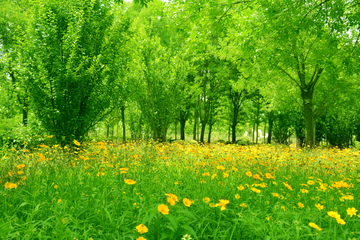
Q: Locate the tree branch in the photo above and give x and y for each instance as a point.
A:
(290, 77)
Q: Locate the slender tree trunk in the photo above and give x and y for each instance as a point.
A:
(107, 129)
(123, 123)
(264, 132)
(209, 134)
(175, 129)
(195, 124)
(229, 132)
(253, 133)
(25, 114)
(202, 134)
(271, 123)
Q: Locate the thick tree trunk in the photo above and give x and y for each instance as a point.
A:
(182, 129)
(233, 133)
(310, 122)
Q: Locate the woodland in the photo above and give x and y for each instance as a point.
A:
(70, 69)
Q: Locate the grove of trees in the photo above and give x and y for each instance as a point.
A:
(289, 68)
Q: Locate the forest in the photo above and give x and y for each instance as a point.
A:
(169, 120)
(167, 70)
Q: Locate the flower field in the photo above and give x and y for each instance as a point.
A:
(105, 190)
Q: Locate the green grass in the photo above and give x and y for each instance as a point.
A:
(81, 193)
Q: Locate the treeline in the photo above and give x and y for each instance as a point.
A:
(291, 67)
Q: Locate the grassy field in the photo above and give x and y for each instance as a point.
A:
(105, 190)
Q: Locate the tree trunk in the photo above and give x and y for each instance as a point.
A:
(25, 113)
(202, 134)
(271, 123)
(310, 123)
(195, 124)
(264, 132)
(209, 134)
(123, 122)
(253, 133)
(175, 129)
(310, 120)
(182, 129)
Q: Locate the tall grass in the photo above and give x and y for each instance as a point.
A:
(106, 190)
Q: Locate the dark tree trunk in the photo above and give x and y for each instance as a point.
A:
(271, 123)
(25, 113)
(182, 130)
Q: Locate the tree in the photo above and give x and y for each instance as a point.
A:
(309, 42)
(68, 81)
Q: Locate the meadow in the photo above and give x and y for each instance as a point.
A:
(146, 190)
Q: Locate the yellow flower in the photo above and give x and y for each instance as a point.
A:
(225, 175)
(319, 206)
(313, 225)
(59, 200)
(142, 229)
(340, 221)
(283, 208)
(241, 187)
(310, 182)
(220, 167)
(243, 205)
(334, 214)
(348, 197)
(173, 196)
(20, 166)
(171, 201)
(257, 176)
(187, 202)
(20, 172)
(237, 196)
(304, 190)
(129, 181)
(269, 176)
(10, 185)
(55, 186)
(287, 186)
(268, 218)
(301, 205)
(275, 195)
(162, 208)
(248, 173)
(351, 211)
(255, 190)
(223, 203)
(206, 199)
(76, 143)
(141, 238)
(212, 205)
